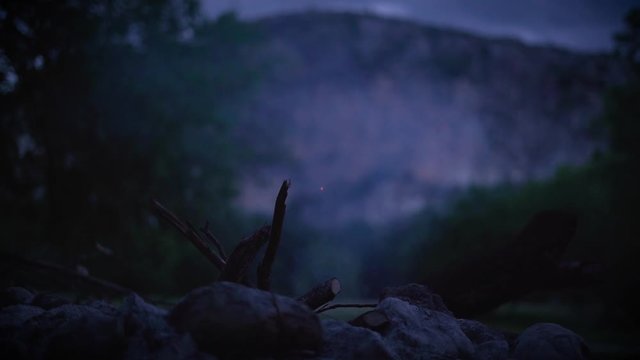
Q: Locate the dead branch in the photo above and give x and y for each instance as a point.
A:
(337, 306)
(264, 269)
(375, 320)
(213, 240)
(321, 293)
(60, 271)
(190, 232)
(242, 256)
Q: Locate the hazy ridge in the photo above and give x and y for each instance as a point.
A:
(384, 117)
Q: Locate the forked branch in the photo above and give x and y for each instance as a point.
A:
(190, 232)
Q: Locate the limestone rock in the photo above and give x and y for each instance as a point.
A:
(346, 342)
(416, 294)
(228, 318)
(548, 341)
(420, 333)
(489, 344)
(15, 296)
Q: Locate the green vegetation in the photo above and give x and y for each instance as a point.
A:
(604, 193)
(106, 105)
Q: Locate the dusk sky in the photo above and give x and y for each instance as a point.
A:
(578, 24)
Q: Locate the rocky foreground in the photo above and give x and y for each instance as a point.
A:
(230, 321)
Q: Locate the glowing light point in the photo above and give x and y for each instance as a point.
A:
(321, 188)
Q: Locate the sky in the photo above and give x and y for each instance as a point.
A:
(585, 25)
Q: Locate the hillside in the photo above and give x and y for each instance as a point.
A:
(384, 117)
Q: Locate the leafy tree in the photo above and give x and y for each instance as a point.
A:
(603, 193)
(107, 104)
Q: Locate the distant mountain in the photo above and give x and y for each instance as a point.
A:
(383, 117)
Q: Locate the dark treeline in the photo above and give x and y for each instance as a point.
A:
(107, 104)
(604, 194)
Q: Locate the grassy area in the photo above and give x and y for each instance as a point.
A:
(604, 342)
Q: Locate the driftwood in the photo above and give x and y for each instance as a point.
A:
(213, 240)
(529, 262)
(190, 232)
(264, 269)
(242, 256)
(234, 268)
(321, 293)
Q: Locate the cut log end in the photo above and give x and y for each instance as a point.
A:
(321, 293)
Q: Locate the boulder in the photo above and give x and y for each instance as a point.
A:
(15, 296)
(13, 317)
(489, 344)
(231, 319)
(416, 294)
(149, 336)
(346, 342)
(49, 301)
(135, 315)
(547, 341)
(420, 333)
(71, 331)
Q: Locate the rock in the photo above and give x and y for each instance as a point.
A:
(419, 295)
(13, 317)
(71, 331)
(172, 347)
(149, 336)
(346, 342)
(547, 341)
(420, 333)
(103, 307)
(49, 301)
(135, 315)
(489, 344)
(228, 318)
(15, 296)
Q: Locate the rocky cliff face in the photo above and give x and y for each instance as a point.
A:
(384, 117)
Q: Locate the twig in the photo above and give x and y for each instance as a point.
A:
(242, 256)
(214, 240)
(190, 232)
(321, 293)
(264, 269)
(336, 306)
(55, 269)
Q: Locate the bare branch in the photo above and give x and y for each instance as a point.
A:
(190, 232)
(213, 240)
(321, 293)
(336, 306)
(242, 256)
(264, 269)
(50, 269)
